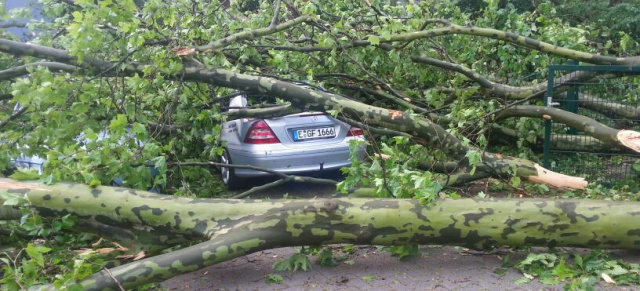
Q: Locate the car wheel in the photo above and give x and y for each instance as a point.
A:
(229, 178)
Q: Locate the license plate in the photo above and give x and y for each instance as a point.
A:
(313, 133)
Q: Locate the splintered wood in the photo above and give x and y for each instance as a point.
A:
(630, 139)
(557, 180)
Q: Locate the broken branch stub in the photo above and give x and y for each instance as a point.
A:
(557, 180)
(630, 139)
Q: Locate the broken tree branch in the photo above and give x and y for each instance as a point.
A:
(245, 35)
(623, 138)
(512, 92)
(20, 71)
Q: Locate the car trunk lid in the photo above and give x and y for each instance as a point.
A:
(308, 128)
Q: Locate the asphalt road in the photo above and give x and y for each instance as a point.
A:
(368, 268)
(434, 268)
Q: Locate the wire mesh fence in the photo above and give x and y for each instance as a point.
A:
(607, 94)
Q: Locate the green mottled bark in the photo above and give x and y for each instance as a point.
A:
(233, 228)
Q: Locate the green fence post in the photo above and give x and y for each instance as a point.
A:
(548, 101)
(571, 104)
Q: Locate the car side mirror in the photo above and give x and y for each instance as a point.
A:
(238, 101)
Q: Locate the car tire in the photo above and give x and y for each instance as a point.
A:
(229, 178)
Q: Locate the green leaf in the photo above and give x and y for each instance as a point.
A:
(138, 129)
(274, 278)
(11, 199)
(543, 259)
(455, 195)
(68, 221)
(36, 253)
(385, 34)
(577, 260)
(374, 40)
(77, 16)
(403, 251)
(25, 174)
(333, 113)
(119, 123)
(368, 278)
(282, 265)
(90, 134)
(474, 157)
(293, 263)
(160, 163)
(562, 271)
(301, 262)
(615, 269)
(515, 181)
(95, 183)
(326, 258)
(500, 271)
(522, 280)
(348, 249)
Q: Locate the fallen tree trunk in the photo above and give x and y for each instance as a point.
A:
(231, 228)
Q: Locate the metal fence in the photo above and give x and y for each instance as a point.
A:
(608, 94)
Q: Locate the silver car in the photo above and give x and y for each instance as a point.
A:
(291, 144)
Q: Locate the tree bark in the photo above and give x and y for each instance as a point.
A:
(24, 70)
(454, 29)
(234, 228)
(622, 138)
(608, 107)
(251, 34)
(566, 142)
(511, 92)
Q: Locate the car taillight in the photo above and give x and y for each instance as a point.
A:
(355, 131)
(260, 133)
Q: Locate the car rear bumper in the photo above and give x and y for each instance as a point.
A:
(292, 161)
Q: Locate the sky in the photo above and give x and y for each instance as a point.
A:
(10, 4)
